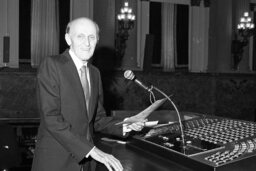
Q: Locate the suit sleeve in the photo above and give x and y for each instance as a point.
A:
(49, 104)
(103, 123)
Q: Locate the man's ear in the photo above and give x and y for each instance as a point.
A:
(67, 38)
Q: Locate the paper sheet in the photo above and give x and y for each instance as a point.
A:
(140, 117)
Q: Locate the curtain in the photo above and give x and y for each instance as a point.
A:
(168, 50)
(199, 39)
(44, 30)
(82, 8)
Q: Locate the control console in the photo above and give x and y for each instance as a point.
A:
(210, 143)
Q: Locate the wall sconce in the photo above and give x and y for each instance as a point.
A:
(245, 29)
(126, 20)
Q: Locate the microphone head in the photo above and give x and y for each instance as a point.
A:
(128, 74)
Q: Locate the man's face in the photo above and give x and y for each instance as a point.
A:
(83, 39)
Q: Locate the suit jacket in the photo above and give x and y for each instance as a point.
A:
(66, 128)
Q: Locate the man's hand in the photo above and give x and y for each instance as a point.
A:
(108, 160)
(137, 126)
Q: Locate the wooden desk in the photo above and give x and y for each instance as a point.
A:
(134, 159)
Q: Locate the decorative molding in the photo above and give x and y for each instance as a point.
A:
(195, 2)
(252, 6)
(207, 3)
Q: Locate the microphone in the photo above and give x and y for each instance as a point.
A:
(128, 74)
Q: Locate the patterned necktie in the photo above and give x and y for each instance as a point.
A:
(85, 84)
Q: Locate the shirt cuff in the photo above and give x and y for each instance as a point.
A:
(88, 154)
(126, 129)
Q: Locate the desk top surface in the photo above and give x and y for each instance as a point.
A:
(134, 159)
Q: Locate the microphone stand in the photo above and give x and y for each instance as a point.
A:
(178, 114)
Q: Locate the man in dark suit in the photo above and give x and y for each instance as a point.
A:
(71, 113)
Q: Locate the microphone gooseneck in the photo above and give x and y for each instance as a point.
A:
(128, 74)
(178, 114)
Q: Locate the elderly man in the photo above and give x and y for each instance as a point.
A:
(70, 99)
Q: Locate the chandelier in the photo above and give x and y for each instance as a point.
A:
(245, 29)
(125, 21)
(126, 18)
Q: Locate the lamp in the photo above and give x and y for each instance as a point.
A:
(126, 22)
(245, 29)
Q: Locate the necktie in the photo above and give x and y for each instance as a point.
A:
(86, 88)
(85, 84)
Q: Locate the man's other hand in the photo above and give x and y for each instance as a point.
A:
(108, 160)
(137, 126)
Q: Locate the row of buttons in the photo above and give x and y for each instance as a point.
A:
(223, 132)
(239, 149)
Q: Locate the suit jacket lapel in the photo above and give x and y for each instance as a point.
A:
(73, 76)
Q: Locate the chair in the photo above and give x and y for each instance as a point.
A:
(9, 151)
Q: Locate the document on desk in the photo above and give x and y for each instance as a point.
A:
(140, 117)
